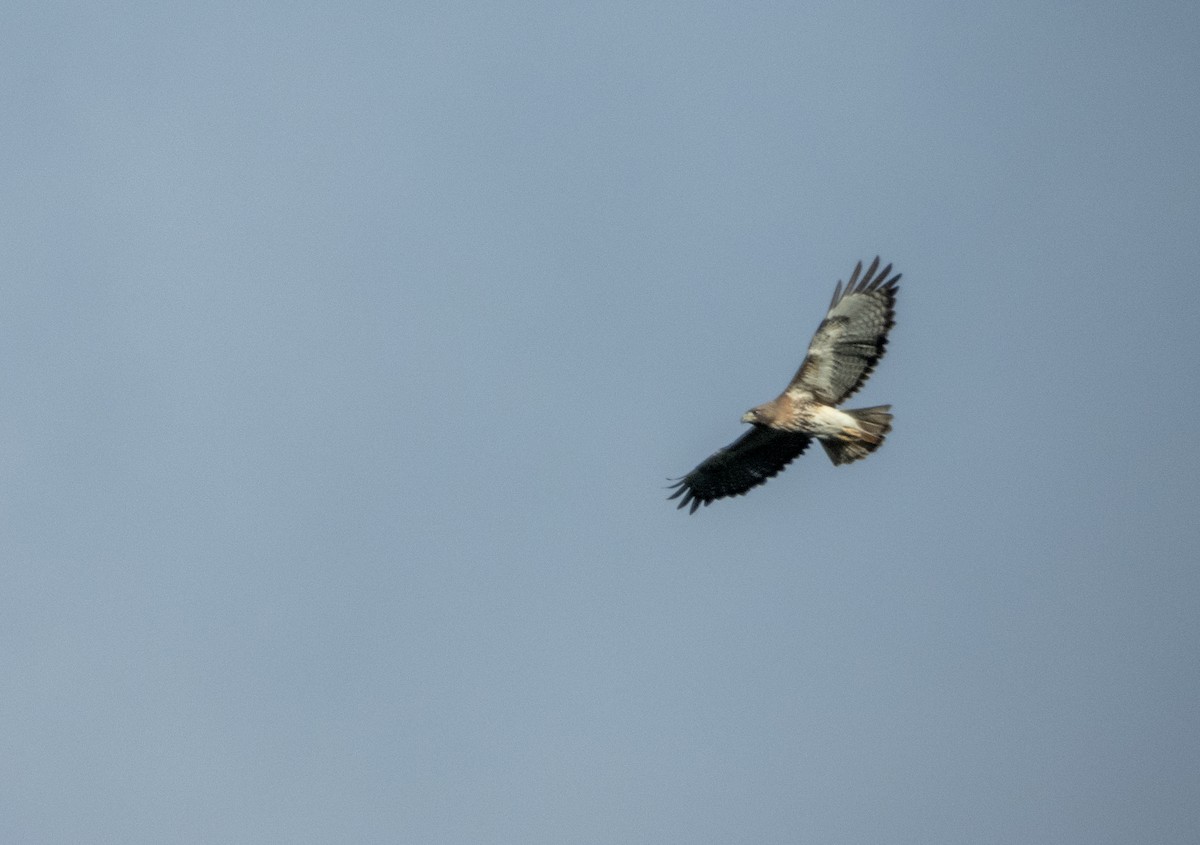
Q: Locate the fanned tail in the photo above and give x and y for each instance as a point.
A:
(856, 443)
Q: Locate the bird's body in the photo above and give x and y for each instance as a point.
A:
(801, 414)
(843, 353)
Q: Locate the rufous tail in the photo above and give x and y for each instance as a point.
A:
(872, 426)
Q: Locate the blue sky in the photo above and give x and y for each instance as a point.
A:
(348, 350)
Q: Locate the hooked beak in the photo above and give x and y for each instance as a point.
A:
(748, 417)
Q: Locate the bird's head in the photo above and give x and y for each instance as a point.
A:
(753, 416)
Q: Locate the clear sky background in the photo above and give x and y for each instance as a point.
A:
(346, 350)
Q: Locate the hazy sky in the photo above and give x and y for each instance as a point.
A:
(347, 350)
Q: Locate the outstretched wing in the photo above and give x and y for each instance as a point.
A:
(747, 462)
(852, 337)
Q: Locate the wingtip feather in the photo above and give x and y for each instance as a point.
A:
(854, 277)
(837, 294)
(869, 274)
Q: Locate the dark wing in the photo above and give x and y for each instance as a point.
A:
(852, 337)
(747, 462)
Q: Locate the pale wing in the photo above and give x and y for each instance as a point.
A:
(757, 455)
(852, 337)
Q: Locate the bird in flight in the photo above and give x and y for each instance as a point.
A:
(841, 357)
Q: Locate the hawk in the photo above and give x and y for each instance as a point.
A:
(842, 355)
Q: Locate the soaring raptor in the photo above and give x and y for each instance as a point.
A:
(843, 353)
